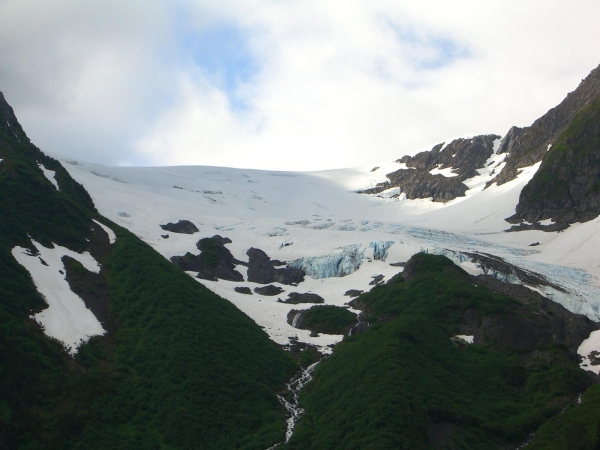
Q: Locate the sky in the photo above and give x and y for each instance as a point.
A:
(281, 84)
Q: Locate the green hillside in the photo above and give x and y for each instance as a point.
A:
(405, 384)
(566, 187)
(180, 368)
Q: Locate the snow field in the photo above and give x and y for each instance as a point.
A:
(66, 318)
(309, 215)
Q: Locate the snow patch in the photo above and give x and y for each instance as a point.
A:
(464, 338)
(50, 175)
(447, 172)
(66, 318)
(547, 222)
(589, 350)
(112, 237)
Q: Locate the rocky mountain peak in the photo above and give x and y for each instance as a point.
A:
(440, 173)
(527, 146)
(9, 122)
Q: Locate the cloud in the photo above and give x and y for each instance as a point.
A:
(284, 84)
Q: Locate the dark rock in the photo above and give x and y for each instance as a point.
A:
(214, 262)
(314, 334)
(548, 323)
(183, 226)
(464, 156)
(295, 298)
(534, 244)
(398, 264)
(164, 236)
(262, 270)
(353, 293)
(420, 263)
(377, 279)
(492, 263)
(566, 188)
(294, 318)
(527, 146)
(269, 290)
(243, 290)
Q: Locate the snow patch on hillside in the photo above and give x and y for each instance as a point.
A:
(112, 237)
(447, 172)
(66, 318)
(589, 350)
(50, 175)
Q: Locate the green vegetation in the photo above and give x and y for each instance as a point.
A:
(404, 384)
(181, 368)
(575, 149)
(577, 428)
(328, 319)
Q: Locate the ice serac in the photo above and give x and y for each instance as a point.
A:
(328, 266)
(527, 146)
(380, 249)
(440, 172)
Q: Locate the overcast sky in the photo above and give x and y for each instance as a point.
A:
(294, 85)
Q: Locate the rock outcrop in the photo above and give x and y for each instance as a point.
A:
(295, 298)
(551, 323)
(566, 187)
(527, 146)
(213, 263)
(263, 270)
(183, 226)
(461, 157)
(269, 290)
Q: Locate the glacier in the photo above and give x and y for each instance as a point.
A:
(328, 266)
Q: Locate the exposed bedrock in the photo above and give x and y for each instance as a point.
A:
(295, 298)
(527, 146)
(243, 290)
(269, 290)
(213, 263)
(566, 187)
(263, 270)
(183, 226)
(550, 323)
(463, 156)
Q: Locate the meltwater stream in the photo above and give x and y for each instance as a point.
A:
(295, 386)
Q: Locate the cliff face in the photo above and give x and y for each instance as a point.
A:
(527, 146)
(566, 187)
(460, 157)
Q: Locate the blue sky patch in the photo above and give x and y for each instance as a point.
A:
(222, 53)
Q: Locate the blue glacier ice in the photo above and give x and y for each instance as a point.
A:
(327, 266)
(380, 249)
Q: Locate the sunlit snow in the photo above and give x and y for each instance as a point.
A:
(112, 237)
(50, 175)
(590, 347)
(66, 318)
(319, 221)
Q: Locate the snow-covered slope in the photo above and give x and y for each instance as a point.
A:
(319, 221)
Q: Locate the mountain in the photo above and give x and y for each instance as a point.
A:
(397, 288)
(104, 343)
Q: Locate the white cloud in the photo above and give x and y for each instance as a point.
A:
(335, 83)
